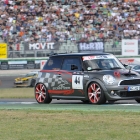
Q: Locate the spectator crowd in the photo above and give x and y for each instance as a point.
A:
(75, 20)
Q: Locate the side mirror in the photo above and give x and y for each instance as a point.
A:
(125, 65)
(73, 67)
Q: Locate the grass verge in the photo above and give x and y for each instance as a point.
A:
(63, 124)
(69, 125)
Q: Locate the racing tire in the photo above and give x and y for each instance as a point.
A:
(33, 82)
(96, 94)
(137, 100)
(41, 94)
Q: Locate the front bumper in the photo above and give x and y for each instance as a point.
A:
(18, 82)
(121, 93)
(21, 84)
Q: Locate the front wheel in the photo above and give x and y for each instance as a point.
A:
(41, 94)
(96, 94)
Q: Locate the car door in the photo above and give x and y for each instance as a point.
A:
(61, 80)
(72, 77)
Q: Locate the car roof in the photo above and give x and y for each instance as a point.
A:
(79, 54)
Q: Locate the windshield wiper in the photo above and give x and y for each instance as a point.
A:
(115, 68)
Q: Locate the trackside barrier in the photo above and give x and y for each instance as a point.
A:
(16, 64)
(36, 63)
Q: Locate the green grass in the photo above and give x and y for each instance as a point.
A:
(17, 93)
(31, 124)
(68, 125)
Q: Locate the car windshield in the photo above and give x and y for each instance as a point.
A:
(105, 62)
(129, 66)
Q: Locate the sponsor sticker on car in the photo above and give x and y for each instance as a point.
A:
(97, 57)
(77, 81)
(88, 58)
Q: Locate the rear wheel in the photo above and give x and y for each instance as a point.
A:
(138, 100)
(96, 94)
(41, 94)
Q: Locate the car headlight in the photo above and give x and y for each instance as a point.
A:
(108, 79)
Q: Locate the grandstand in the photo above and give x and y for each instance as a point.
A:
(64, 23)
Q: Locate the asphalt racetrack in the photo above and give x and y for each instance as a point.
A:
(7, 77)
(7, 81)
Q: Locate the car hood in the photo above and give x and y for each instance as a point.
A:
(136, 71)
(117, 73)
(123, 73)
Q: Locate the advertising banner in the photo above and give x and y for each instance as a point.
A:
(42, 46)
(20, 64)
(30, 64)
(4, 65)
(129, 47)
(3, 50)
(42, 63)
(37, 64)
(130, 60)
(17, 64)
(94, 46)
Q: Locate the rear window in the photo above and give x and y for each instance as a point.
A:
(54, 63)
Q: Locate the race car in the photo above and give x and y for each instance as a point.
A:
(94, 78)
(27, 80)
(134, 67)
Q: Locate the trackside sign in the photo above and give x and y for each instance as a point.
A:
(3, 50)
(129, 47)
(41, 46)
(91, 46)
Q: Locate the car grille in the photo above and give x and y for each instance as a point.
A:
(129, 94)
(130, 82)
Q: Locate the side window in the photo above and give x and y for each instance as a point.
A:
(71, 61)
(54, 63)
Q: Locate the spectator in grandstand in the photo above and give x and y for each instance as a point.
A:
(10, 50)
(75, 20)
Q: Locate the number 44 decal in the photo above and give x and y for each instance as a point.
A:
(77, 81)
